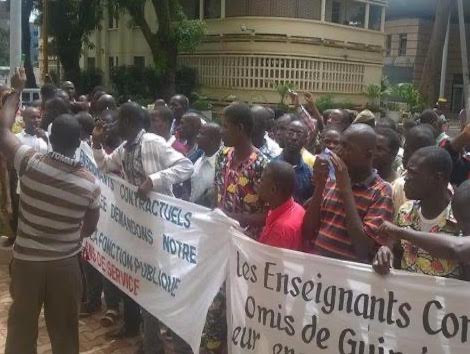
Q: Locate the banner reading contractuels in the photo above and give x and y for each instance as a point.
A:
(172, 257)
(285, 302)
(168, 255)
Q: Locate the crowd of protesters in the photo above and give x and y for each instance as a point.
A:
(338, 183)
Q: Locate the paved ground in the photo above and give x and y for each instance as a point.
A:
(91, 333)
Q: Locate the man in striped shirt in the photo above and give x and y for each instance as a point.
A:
(345, 214)
(59, 206)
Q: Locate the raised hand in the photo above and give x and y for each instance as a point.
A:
(98, 135)
(383, 260)
(18, 80)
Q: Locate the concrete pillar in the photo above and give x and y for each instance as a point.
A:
(366, 16)
(382, 20)
(323, 11)
(15, 35)
(445, 51)
(222, 9)
(463, 52)
(201, 9)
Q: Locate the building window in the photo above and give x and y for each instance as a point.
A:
(190, 8)
(403, 42)
(375, 17)
(212, 8)
(336, 12)
(113, 62)
(355, 14)
(139, 62)
(91, 62)
(388, 44)
(113, 18)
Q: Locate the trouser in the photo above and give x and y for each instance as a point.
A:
(160, 339)
(55, 284)
(96, 284)
(131, 316)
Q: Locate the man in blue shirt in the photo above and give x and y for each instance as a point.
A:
(296, 138)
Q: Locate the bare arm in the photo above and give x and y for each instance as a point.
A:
(90, 221)
(438, 245)
(362, 243)
(9, 143)
(311, 222)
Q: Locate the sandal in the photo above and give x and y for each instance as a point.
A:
(109, 319)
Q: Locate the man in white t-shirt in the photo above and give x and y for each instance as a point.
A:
(32, 135)
(202, 180)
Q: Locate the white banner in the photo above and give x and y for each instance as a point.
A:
(170, 256)
(285, 302)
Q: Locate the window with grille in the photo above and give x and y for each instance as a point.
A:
(403, 42)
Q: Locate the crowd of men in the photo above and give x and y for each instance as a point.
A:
(337, 183)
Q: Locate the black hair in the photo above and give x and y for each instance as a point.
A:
(54, 108)
(436, 159)
(393, 139)
(428, 116)
(164, 112)
(386, 122)
(240, 114)
(86, 121)
(48, 91)
(182, 99)
(422, 135)
(135, 112)
(462, 194)
(65, 133)
(283, 176)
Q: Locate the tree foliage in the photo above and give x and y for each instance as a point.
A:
(174, 33)
(70, 22)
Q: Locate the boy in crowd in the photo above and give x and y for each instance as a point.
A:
(283, 227)
(440, 245)
(429, 210)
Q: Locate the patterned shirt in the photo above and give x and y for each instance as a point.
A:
(236, 192)
(303, 181)
(270, 148)
(56, 192)
(417, 260)
(132, 161)
(374, 204)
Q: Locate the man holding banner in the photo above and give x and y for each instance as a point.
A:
(149, 163)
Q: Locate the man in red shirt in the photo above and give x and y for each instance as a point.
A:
(283, 227)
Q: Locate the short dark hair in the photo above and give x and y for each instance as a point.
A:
(428, 116)
(240, 114)
(86, 121)
(65, 132)
(462, 195)
(284, 176)
(436, 159)
(135, 111)
(393, 139)
(386, 122)
(164, 112)
(422, 135)
(48, 91)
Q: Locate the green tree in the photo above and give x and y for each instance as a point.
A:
(69, 23)
(174, 33)
(4, 47)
